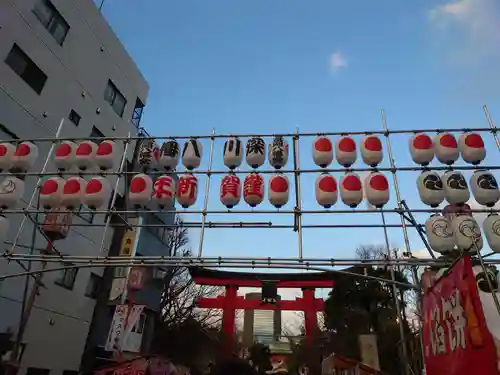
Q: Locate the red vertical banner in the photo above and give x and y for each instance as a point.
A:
(456, 338)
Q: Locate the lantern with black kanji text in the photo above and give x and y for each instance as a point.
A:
(168, 156)
(279, 190)
(164, 191)
(455, 187)
(230, 190)
(484, 187)
(322, 151)
(253, 189)
(430, 188)
(376, 189)
(187, 190)
(467, 233)
(65, 155)
(471, 146)
(191, 154)
(256, 152)
(491, 228)
(97, 192)
(11, 191)
(148, 152)
(7, 151)
(345, 151)
(25, 156)
(439, 233)
(351, 190)
(73, 192)
(141, 189)
(233, 153)
(106, 155)
(371, 150)
(421, 149)
(446, 148)
(278, 152)
(51, 192)
(326, 190)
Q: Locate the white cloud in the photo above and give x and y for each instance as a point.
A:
(338, 61)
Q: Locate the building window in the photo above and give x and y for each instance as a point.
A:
(137, 114)
(157, 228)
(85, 213)
(67, 278)
(115, 98)
(48, 15)
(37, 371)
(93, 285)
(96, 133)
(25, 68)
(74, 117)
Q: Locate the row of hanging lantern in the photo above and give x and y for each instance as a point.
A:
(86, 155)
(446, 149)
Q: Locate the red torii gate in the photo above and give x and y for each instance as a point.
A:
(230, 302)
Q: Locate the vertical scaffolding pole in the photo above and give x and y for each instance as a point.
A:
(207, 191)
(298, 195)
(492, 126)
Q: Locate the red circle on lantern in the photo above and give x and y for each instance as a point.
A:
(84, 149)
(93, 186)
(474, 140)
(63, 150)
(422, 142)
(448, 140)
(328, 184)
(347, 144)
(3, 150)
(23, 150)
(49, 187)
(138, 185)
(352, 183)
(372, 143)
(323, 144)
(105, 148)
(279, 184)
(379, 182)
(72, 186)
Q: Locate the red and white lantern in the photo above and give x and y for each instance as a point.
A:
(376, 189)
(106, 155)
(97, 193)
(456, 190)
(484, 187)
(253, 189)
(467, 233)
(351, 190)
(73, 192)
(371, 150)
(51, 192)
(233, 153)
(164, 191)
(148, 154)
(421, 149)
(187, 190)
(141, 189)
(25, 156)
(11, 191)
(7, 151)
(279, 190)
(471, 146)
(65, 155)
(168, 156)
(230, 190)
(278, 152)
(446, 148)
(322, 151)
(326, 190)
(256, 152)
(345, 151)
(191, 154)
(85, 155)
(439, 233)
(491, 228)
(430, 188)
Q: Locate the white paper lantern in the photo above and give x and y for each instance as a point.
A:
(466, 232)
(168, 156)
(484, 187)
(7, 151)
(85, 155)
(491, 228)
(345, 151)
(164, 191)
(141, 189)
(322, 151)
(65, 155)
(25, 156)
(376, 189)
(11, 191)
(187, 190)
(73, 192)
(4, 228)
(471, 147)
(230, 190)
(51, 192)
(430, 188)
(279, 190)
(97, 193)
(446, 148)
(106, 155)
(233, 153)
(253, 189)
(456, 190)
(351, 190)
(421, 149)
(256, 152)
(326, 190)
(148, 154)
(439, 233)
(191, 154)
(278, 152)
(371, 150)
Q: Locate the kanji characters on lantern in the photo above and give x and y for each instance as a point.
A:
(164, 191)
(7, 151)
(322, 151)
(148, 152)
(65, 155)
(376, 189)
(351, 190)
(279, 190)
(191, 154)
(455, 187)
(230, 190)
(439, 233)
(467, 233)
(471, 148)
(253, 189)
(85, 155)
(141, 189)
(233, 153)
(446, 148)
(106, 155)
(25, 156)
(491, 228)
(326, 190)
(97, 193)
(430, 188)
(421, 149)
(345, 151)
(371, 150)
(278, 152)
(187, 190)
(168, 156)
(11, 191)
(73, 192)
(51, 192)
(256, 152)
(484, 187)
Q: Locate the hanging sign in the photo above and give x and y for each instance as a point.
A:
(57, 223)
(127, 247)
(135, 278)
(456, 338)
(117, 327)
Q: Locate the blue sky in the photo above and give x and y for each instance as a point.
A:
(264, 66)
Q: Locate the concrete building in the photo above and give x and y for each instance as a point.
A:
(260, 325)
(59, 59)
